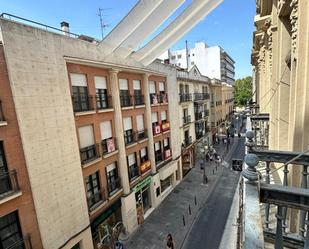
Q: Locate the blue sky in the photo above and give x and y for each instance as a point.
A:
(230, 25)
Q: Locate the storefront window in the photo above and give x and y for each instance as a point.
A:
(166, 183)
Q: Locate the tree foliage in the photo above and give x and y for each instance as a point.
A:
(243, 91)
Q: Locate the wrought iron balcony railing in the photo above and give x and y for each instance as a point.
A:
(285, 222)
(82, 103)
(142, 135)
(126, 100)
(185, 97)
(96, 199)
(104, 101)
(113, 186)
(186, 119)
(24, 243)
(139, 99)
(8, 183)
(187, 141)
(89, 153)
(130, 137)
(109, 145)
(198, 116)
(2, 118)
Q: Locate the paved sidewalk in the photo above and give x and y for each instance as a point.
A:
(168, 217)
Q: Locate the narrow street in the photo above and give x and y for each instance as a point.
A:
(209, 226)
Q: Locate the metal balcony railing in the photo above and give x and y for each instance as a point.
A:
(2, 118)
(96, 199)
(133, 171)
(198, 96)
(198, 116)
(187, 141)
(104, 101)
(8, 183)
(126, 100)
(285, 220)
(113, 186)
(130, 137)
(139, 99)
(109, 145)
(163, 98)
(185, 97)
(158, 157)
(89, 153)
(82, 103)
(186, 119)
(142, 135)
(24, 243)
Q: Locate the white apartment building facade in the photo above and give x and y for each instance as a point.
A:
(212, 62)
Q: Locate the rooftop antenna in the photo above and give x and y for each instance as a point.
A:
(103, 25)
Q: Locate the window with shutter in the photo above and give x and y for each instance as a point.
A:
(86, 137)
(81, 100)
(132, 166)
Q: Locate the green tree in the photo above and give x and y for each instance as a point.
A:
(243, 91)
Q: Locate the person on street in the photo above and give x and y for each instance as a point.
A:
(170, 242)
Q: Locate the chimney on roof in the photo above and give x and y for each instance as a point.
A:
(65, 27)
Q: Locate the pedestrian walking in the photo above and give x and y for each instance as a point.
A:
(170, 242)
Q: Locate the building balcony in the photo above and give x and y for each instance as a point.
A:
(186, 119)
(82, 103)
(271, 205)
(142, 135)
(198, 96)
(130, 137)
(206, 113)
(109, 145)
(206, 95)
(89, 153)
(198, 116)
(185, 97)
(24, 243)
(156, 129)
(165, 126)
(139, 99)
(187, 141)
(154, 100)
(145, 166)
(163, 98)
(113, 186)
(133, 172)
(104, 101)
(2, 118)
(8, 183)
(167, 154)
(199, 134)
(126, 100)
(158, 157)
(96, 199)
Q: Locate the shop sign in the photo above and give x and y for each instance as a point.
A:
(142, 184)
(156, 130)
(145, 167)
(166, 126)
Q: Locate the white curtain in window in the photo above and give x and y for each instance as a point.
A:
(165, 142)
(100, 82)
(161, 87)
(86, 136)
(154, 117)
(136, 84)
(127, 123)
(152, 87)
(110, 167)
(143, 152)
(163, 115)
(157, 146)
(131, 159)
(106, 130)
(78, 79)
(140, 122)
(123, 84)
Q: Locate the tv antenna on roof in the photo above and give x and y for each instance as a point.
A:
(103, 25)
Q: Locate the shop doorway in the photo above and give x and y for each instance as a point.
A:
(143, 203)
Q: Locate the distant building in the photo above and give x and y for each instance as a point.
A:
(212, 62)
